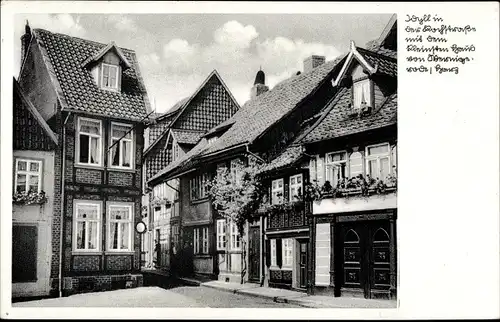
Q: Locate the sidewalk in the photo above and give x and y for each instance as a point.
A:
(293, 297)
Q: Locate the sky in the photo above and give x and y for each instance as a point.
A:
(177, 52)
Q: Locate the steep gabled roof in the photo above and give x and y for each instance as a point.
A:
(258, 114)
(34, 112)
(77, 91)
(190, 137)
(183, 105)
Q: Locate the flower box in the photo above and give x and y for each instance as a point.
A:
(30, 198)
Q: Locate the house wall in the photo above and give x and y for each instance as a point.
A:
(102, 269)
(36, 82)
(41, 217)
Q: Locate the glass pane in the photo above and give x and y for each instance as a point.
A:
(80, 235)
(127, 149)
(92, 240)
(292, 180)
(280, 183)
(115, 154)
(34, 166)
(89, 126)
(94, 151)
(21, 183)
(381, 149)
(125, 230)
(87, 212)
(299, 179)
(384, 168)
(373, 169)
(113, 238)
(21, 165)
(120, 213)
(84, 148)
(356, 164)
(275, 184)
(119, 131)
(105, 70)
(33, 183)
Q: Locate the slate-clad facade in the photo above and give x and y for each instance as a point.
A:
(93, 97)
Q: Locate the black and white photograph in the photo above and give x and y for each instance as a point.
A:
(208, 160)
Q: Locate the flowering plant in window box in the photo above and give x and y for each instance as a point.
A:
(29, 198)
(157, 201)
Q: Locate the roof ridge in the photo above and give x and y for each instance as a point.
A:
(82, 39)
(361, 49)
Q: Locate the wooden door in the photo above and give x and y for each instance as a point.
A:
(303, 245)
(254, 254)
(365, 264)
(24, 253)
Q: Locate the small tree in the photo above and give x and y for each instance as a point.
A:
(236, 194)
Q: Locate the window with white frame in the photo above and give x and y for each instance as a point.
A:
(121, 154)
(336, 167)
(204, 240)
(362, 92)
(277, 191)
(28, 176)
(378, 161)
(287, 253)
(295, 187)
(109, 76)
(221, 234)
(355, 164)
(89, 141)
(235, 237)
(120, 227)
(274, 254)
(196, 240)
(235, 170)
(86, 230)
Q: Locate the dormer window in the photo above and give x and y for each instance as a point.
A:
(212, 139)
(362, 94)
(110, 76)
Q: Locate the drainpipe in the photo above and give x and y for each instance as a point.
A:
(63, 167)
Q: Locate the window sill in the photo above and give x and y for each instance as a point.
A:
(117, 252)
(131, 170)
(79, 252)
(89, 166)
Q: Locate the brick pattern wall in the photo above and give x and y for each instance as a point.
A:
(88, 176)
(118, 262)
(120, 178)
(86, 263)
(83, 284)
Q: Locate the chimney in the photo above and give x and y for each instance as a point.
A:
(312, 62)
(259, 86)
(25, 41)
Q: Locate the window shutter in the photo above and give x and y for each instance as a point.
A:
(279, 259)
(286, 189)
(119, 78)
(268, 252)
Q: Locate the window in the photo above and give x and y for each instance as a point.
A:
(362, 92)
(196, 240)
(212, 139)
(198, 186)
(336, 167)
(109, 76)
(175, 151)
(120, 227)
(89, 141)
(235, 170)
(221, 234)
(287, 251)
(87, 221)
(28, 176)
(235, 237)
(277, 191)
(295, 187)
(377, 161)
(274, 255)
(205, 240)
(121, 141)
(355, 164)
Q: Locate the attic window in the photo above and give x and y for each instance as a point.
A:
(109, 76)
(212, 139)
(362, 93)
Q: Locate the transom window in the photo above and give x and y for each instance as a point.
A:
(295, 187)
(87, 223)
(121, 141)
(378, 161)
(109, 76)
(28, 176)
(362, 92)
(287, 252)
(89, 141)
(221, 234)
(336, 167)
(277, 191)
(120, 227)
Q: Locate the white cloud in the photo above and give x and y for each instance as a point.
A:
(180, 55)
(234, 34)
(151, 59)
(59, 23)
(122, 23)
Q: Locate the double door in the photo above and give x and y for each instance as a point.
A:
(365, 266)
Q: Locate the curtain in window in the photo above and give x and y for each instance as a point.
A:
(94, 150)
(80, 236)
(115, 153)
(125, 235)
(126, 153)
(33, 183)
(114, 235)
(21, 183)
(92, 243)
